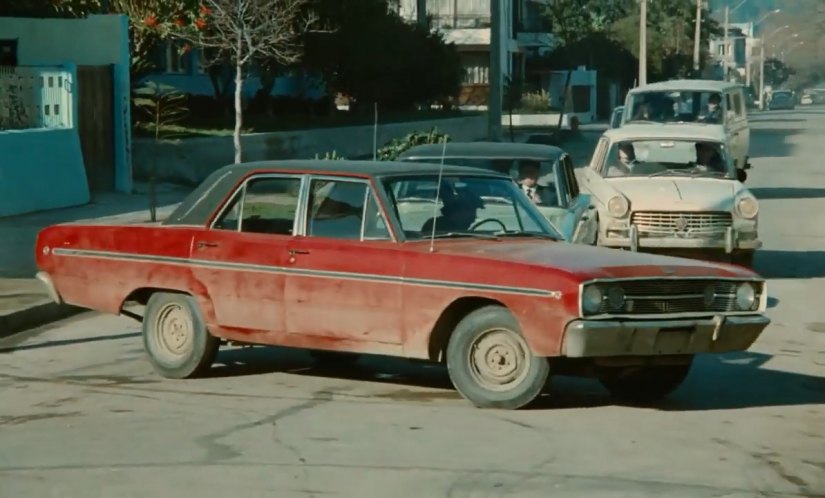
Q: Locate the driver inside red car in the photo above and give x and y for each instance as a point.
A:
(458, 213)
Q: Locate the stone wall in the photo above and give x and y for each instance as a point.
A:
(193, 159)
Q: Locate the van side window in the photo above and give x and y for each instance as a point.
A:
(729, 111)
(737, 105)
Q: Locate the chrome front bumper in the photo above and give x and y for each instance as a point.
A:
(728, 243)
(50, 288)
(595, 338)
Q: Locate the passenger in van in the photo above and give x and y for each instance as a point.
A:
(714, 114)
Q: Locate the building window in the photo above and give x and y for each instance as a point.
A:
(476, 75)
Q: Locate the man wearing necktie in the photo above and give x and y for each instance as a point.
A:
(529, 181)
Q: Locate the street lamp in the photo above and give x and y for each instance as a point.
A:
(749, 47)
(787, 52)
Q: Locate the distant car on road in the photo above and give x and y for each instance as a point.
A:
(781, 99)
(450, 265)
(672, 189)
(806, 99)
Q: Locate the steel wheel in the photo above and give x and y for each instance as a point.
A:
(174, 331)
(491, 364)
(499, 359)
(175, 336)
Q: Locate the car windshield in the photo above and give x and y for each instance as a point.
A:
(666, 157)
(513, 166)
(685, 106)
(465, 206)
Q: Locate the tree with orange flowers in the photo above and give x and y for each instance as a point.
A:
(243, 31)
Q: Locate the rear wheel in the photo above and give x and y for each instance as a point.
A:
(490, 363)
(175, 336)
(644, 383)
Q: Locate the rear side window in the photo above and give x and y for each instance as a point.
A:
(263, 205)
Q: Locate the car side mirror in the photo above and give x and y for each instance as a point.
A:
(741, 175)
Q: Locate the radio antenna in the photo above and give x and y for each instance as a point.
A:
(375, 134)
(438, 193)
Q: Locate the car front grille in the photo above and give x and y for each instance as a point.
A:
(665, 223)
(665, 296)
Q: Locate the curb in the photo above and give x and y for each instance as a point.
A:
(36, 316)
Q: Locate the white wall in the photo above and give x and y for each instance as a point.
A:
(95, 40)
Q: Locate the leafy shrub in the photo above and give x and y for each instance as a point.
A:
(395, 147)
(536, 101)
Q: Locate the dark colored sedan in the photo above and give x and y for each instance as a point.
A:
(781, 100)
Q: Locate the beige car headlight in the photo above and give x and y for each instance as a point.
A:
(747, 206)
(746, 297)
(618, 206)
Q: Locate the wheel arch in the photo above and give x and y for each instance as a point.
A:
(449, 318)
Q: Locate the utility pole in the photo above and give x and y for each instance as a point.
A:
(494, 100)
(697, 36)
(726, 44)
(762, 74)
(642, 43)
(748, 56)
(421, 12)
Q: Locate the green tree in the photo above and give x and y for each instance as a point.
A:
(370, 54)
(776, 72)
(574, 21)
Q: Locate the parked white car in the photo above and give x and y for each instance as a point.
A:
(676, 192)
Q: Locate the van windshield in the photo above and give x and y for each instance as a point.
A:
(685, 106)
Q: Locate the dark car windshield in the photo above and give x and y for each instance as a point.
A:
(464, 205)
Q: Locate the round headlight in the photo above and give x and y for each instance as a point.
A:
(745, 296)
(617, 206)
(747, 207)
(615, 298)
(592, 299)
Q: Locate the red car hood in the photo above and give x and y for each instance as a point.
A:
(588, 262)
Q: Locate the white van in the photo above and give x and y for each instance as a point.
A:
(686, 102)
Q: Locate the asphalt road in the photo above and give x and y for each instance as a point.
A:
(83, 415)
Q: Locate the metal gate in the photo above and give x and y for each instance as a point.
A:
(96, 125)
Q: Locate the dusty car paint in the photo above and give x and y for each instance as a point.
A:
(387, 297)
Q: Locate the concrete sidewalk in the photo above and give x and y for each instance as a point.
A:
(23, 300)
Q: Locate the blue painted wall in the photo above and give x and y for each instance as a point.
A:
(41, 169)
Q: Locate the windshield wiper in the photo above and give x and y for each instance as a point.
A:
(455, 235)
(517, 233)
(667, 172)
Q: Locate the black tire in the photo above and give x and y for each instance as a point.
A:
(743, 258)
(499, 330)
(334, 358)
(177, 354)
(643, 384)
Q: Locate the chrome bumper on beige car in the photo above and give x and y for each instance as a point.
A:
(728, 241)
(720, 334)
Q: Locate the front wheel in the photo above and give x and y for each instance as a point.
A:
(643, 383)
(490, 363)
(175, 336)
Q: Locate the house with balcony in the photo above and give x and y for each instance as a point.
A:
(466, 23)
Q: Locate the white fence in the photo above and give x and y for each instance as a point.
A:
(35, 97)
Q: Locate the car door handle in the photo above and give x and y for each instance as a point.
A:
(293, 252)
(204, 245)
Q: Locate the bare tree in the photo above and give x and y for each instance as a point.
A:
(244, 31)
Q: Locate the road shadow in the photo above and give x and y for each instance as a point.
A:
(789, 264)
(9, 345)
(772, 142)
(772, 193)
(716, 382)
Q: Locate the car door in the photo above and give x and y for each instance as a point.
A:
(240, 258)
(577, 225)
(344, 280)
